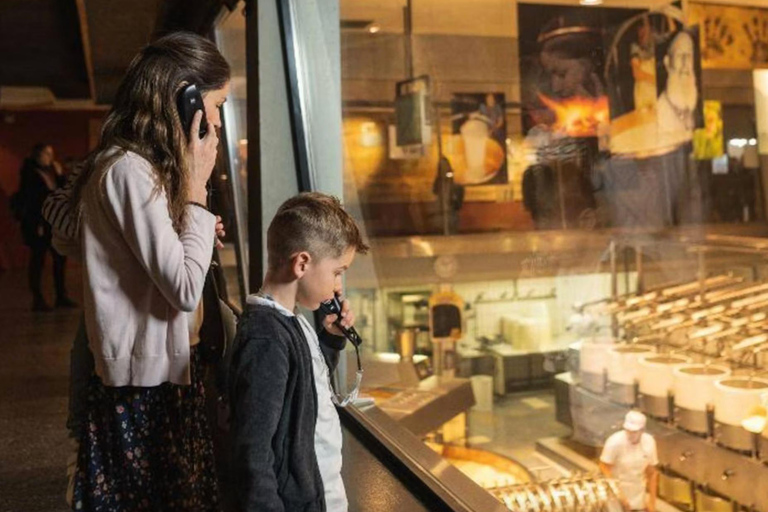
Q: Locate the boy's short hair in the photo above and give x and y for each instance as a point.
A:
(312, 222)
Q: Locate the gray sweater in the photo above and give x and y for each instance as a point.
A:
(141, 277)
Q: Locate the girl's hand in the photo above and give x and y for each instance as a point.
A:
(220, 233)
(202, 157)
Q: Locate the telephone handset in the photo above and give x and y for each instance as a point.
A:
(333, 307)
(188, 102)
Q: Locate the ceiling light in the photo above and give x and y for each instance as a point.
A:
(738, 143)
(373, 29)
(590, 2)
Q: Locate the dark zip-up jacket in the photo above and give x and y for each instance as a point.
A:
(273, 411)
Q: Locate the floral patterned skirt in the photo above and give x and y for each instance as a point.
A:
(146, 449)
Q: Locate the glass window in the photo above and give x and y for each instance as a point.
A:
(230, 38)
(522, 171)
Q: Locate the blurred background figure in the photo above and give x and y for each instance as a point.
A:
(630, 457)
(40, 175)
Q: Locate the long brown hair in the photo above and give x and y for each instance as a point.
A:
(144, 117)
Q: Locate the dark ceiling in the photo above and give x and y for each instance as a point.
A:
(42, 43)
(115, 35)
(41, 46)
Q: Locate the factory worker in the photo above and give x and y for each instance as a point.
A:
(630, 457)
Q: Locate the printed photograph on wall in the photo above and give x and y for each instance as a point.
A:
(476, 148)
(631, 63)
(650, 181)
(562, 59)
(678, 86)
(565, 108)
(631, 82)
(653, 76)
(731, 37)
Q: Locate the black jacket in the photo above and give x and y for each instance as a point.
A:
(29, 204)
(273, 407)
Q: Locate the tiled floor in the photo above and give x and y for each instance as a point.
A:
(34, 369)
(512, 429)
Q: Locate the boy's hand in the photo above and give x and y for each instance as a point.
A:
(347, 319)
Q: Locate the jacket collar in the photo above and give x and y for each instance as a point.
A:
(266, 300)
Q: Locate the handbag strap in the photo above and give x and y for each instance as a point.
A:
(213, 334)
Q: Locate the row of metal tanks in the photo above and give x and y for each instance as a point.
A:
(696, 472)
(686, 496)
(709, 461)
(706, 399)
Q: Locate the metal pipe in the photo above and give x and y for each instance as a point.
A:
(682, 292)
(667, 291)
(702, 276)
(750, 342)
(408, 28)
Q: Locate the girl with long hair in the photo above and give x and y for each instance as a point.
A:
(146, 242)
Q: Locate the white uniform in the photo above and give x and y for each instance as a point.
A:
(328, 427)
(629, 462)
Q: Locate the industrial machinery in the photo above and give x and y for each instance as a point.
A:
(692, 356)
(585, 493)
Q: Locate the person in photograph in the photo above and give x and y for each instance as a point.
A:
(676, 105)
(643, 62)
(569, 58)
(494, 112)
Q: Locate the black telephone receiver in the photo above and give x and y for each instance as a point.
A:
(190, 101)
(333, 307)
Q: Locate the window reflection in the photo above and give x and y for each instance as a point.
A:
(560, 156)
(230, 38)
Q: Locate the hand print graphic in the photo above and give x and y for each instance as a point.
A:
(717, 37)
(757, 33)
(731, 37)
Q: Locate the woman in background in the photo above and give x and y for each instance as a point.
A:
(40, 175)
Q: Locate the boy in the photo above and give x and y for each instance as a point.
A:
(284, 429)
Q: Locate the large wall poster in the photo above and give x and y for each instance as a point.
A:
(678, 79)
(731, 37)
(654, 85)
(561, 67)
(565, 108)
